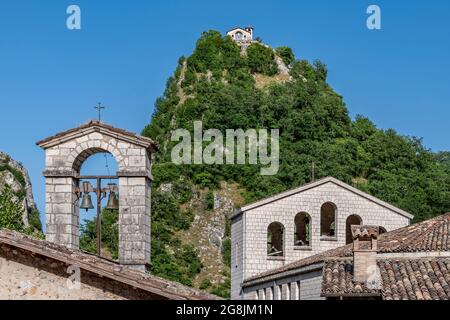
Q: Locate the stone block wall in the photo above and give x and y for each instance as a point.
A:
(62, 214)
(33, 277)
(69, 156)
(63, 164)
(237, 256)
(305, 286)
(134, 221)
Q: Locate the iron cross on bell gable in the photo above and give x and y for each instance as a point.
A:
(99, 108)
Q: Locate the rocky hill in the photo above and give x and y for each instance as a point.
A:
(227, 87)
(262, 87)
(13, 175)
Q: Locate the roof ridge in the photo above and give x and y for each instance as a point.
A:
(314, 184)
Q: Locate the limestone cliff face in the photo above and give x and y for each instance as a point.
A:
(209, 231)
(14, 174)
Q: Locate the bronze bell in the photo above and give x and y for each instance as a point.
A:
(86, 203)
(113, 203)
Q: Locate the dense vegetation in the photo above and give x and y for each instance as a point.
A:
(11, 211)
(220, 89)
(109, 234)
(11, 208)
(314, 127)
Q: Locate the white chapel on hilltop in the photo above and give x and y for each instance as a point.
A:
(241, 34)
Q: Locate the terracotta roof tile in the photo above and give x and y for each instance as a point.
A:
(415, 279)
(338, 280)
(401, 279)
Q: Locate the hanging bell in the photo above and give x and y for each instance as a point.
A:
(113, 203)
(86, 203)
(87, 187)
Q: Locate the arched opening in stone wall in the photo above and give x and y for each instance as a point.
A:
(328, 220)
(382, 230)
(353, 220)
(97, 162)
(302, 236)
(275, 240)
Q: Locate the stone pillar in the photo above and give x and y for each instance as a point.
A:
(134, 221)
(61, 211)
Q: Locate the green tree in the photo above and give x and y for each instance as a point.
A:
(11, 211)
(321, 70)
(286, 54)
(226, 251)
(261, 59)
(110, 234)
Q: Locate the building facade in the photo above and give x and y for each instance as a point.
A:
(301, 223)
(410, 263)
(241, 34)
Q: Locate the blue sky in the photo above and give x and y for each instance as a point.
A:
(51, 78)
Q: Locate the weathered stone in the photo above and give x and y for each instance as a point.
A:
(37, 270)
(67, 154)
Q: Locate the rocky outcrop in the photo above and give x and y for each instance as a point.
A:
(282, 68)
(223, 208)
(14, 174)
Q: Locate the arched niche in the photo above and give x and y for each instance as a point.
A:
(275, 240)
(328, 213)
(302, 236)
(66, 152)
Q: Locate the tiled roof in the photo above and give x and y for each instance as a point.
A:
(104, 268)
(416, 279)
(238, 28)
(401, 279)
(427, 236)
(338, 280)
(430, 235)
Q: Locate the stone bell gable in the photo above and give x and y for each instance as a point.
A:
(66, 152)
